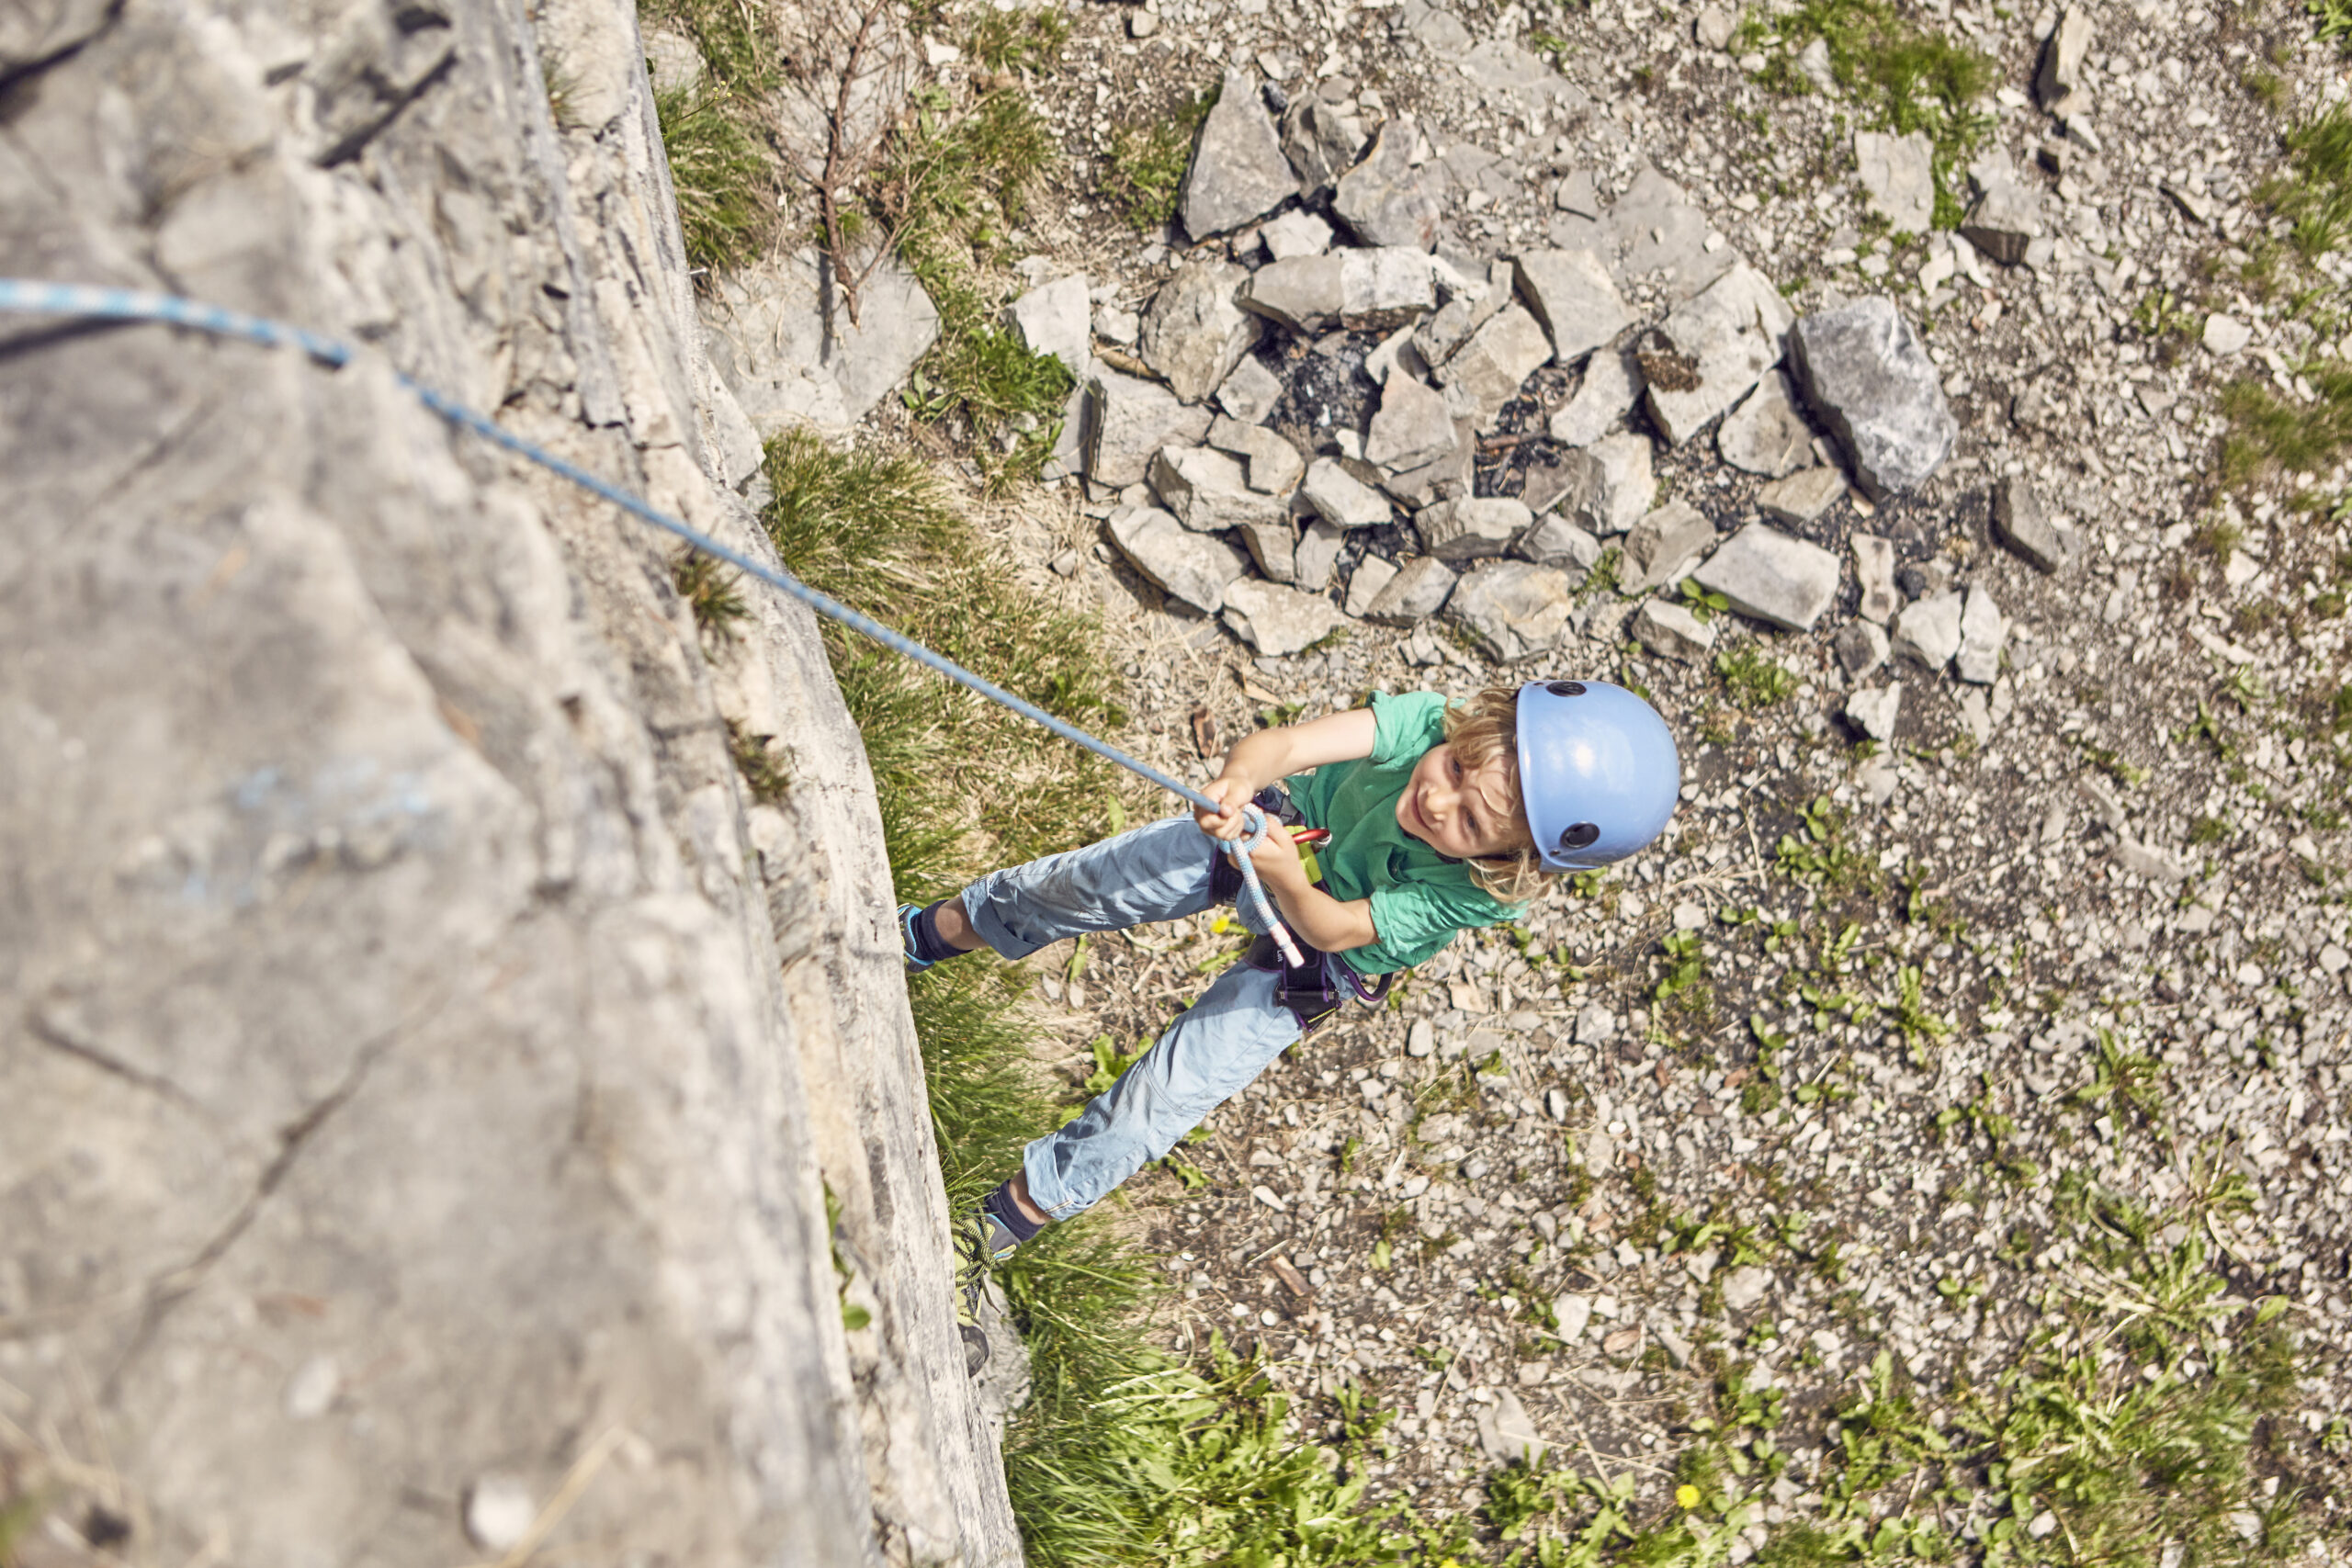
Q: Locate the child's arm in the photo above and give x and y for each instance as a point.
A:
(1261, 758)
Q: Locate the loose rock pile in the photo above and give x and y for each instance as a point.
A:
(1329, 417)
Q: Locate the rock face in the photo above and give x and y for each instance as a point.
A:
(1868, 376)
(458, 1090)
(787, 349)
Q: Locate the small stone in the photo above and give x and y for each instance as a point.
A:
(1866, 373)
(1318, 555)
(1726, 339)
(1419, 590)
(1411, 427)
(499, 1512)
(1193, 331)
(1142, 24)
(1576, 193)
(1874, 570)
(1279, 621)
(1131, 420)
(2062, 56)
(1208, 490)
(1297, 234)
(2007, 215)
(1116, 324)
(1573, 1313)
(1067, 563)
(1506, 1433)
(1471, 528)
(1363, 290)
(1714, 28)
(1321, 143)
(1275, 465)
(1272, 543)
(1765, 573)
(1192, 568)
(311, 1392)
(1898, 178)
(1874, 713)
(1613, 382)
(2225, 335)
(1671, 631)
(1678, 1348)
(1373, 574)
(1343, 499)
(1422, 1039)
(1928, 631)
(1385, 200)
(1661, 546)
(1860, 647)
(1250, 392)
(1573, 295)
(1812, 64)
(1595, 1024)
(2020, 522)
(1803, 497)
(1744, 1287)
(1982, 633)
(1554, 541)
(1535, 1374)
(1057, 319)
(1767, 435)
(1514, 609)
(1238, 172)
(1502, 353)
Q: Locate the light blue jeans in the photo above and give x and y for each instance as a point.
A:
(1158, 871)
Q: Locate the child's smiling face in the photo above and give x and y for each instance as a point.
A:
(1463, 812)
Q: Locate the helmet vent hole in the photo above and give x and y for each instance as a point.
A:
(1582, 835)
(1565, 688)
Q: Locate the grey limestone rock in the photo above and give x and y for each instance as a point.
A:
(1385, 200)
(1616, 485)
(1767, 435)
(1364, 290)
(1296, 233)
(1208, 490)
(1419, 590)
(1613, 382)
(2020, 522)
(1238, 172)
(1367, 582)
(1411, 427)
(1868, 378)
(1765, 573)
(1128, 421)
(1272, 543)
(1898, 178)
(1860, 647)
(1927, 632)
(1874, 712)
(1056, 318)
(1671, 631)
(1554, 541)
(1279, 621)
(1574, 297)
(1192, 568)
(2007, 215)
(1983, 631)
(1321, 143)
(786, 347)
(1489, 369)
(1193, 331)
(1874, 571)
(1339, 497)
(1470, 528)
(1661, 546)
(1274, 465)
(2062, 54)
(1249, 393)
(1714, 27)
(1316, 554)
(1656, 230)
(1726, 339)
(1514, 609)
(1801, 497)
(1443, 477)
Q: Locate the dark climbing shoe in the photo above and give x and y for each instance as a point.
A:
(908, 915)
(975, 1233)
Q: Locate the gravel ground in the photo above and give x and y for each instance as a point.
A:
(1821, 1076)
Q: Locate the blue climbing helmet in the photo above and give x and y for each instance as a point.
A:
(1598, 771)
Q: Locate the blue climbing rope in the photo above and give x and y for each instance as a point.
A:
(31, 297)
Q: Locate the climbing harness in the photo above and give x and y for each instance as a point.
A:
(31, 297)
(1313, 985)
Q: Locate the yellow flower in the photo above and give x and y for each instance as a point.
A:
(1686, 1497)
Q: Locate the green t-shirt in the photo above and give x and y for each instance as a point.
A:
(1419, 899)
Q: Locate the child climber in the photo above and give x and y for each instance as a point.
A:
(1439, 818)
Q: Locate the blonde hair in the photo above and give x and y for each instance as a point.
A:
(1479, 730)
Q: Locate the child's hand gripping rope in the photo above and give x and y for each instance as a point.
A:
(1255, 828)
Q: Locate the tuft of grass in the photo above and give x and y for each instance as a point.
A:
(713, 591)
(720, 159)
(1147, 168)
(1018, 39)
(1910, 78)
(2314, 192)
(1754, 679)
(2334, 21)
(2272, 433)
(764, 772)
